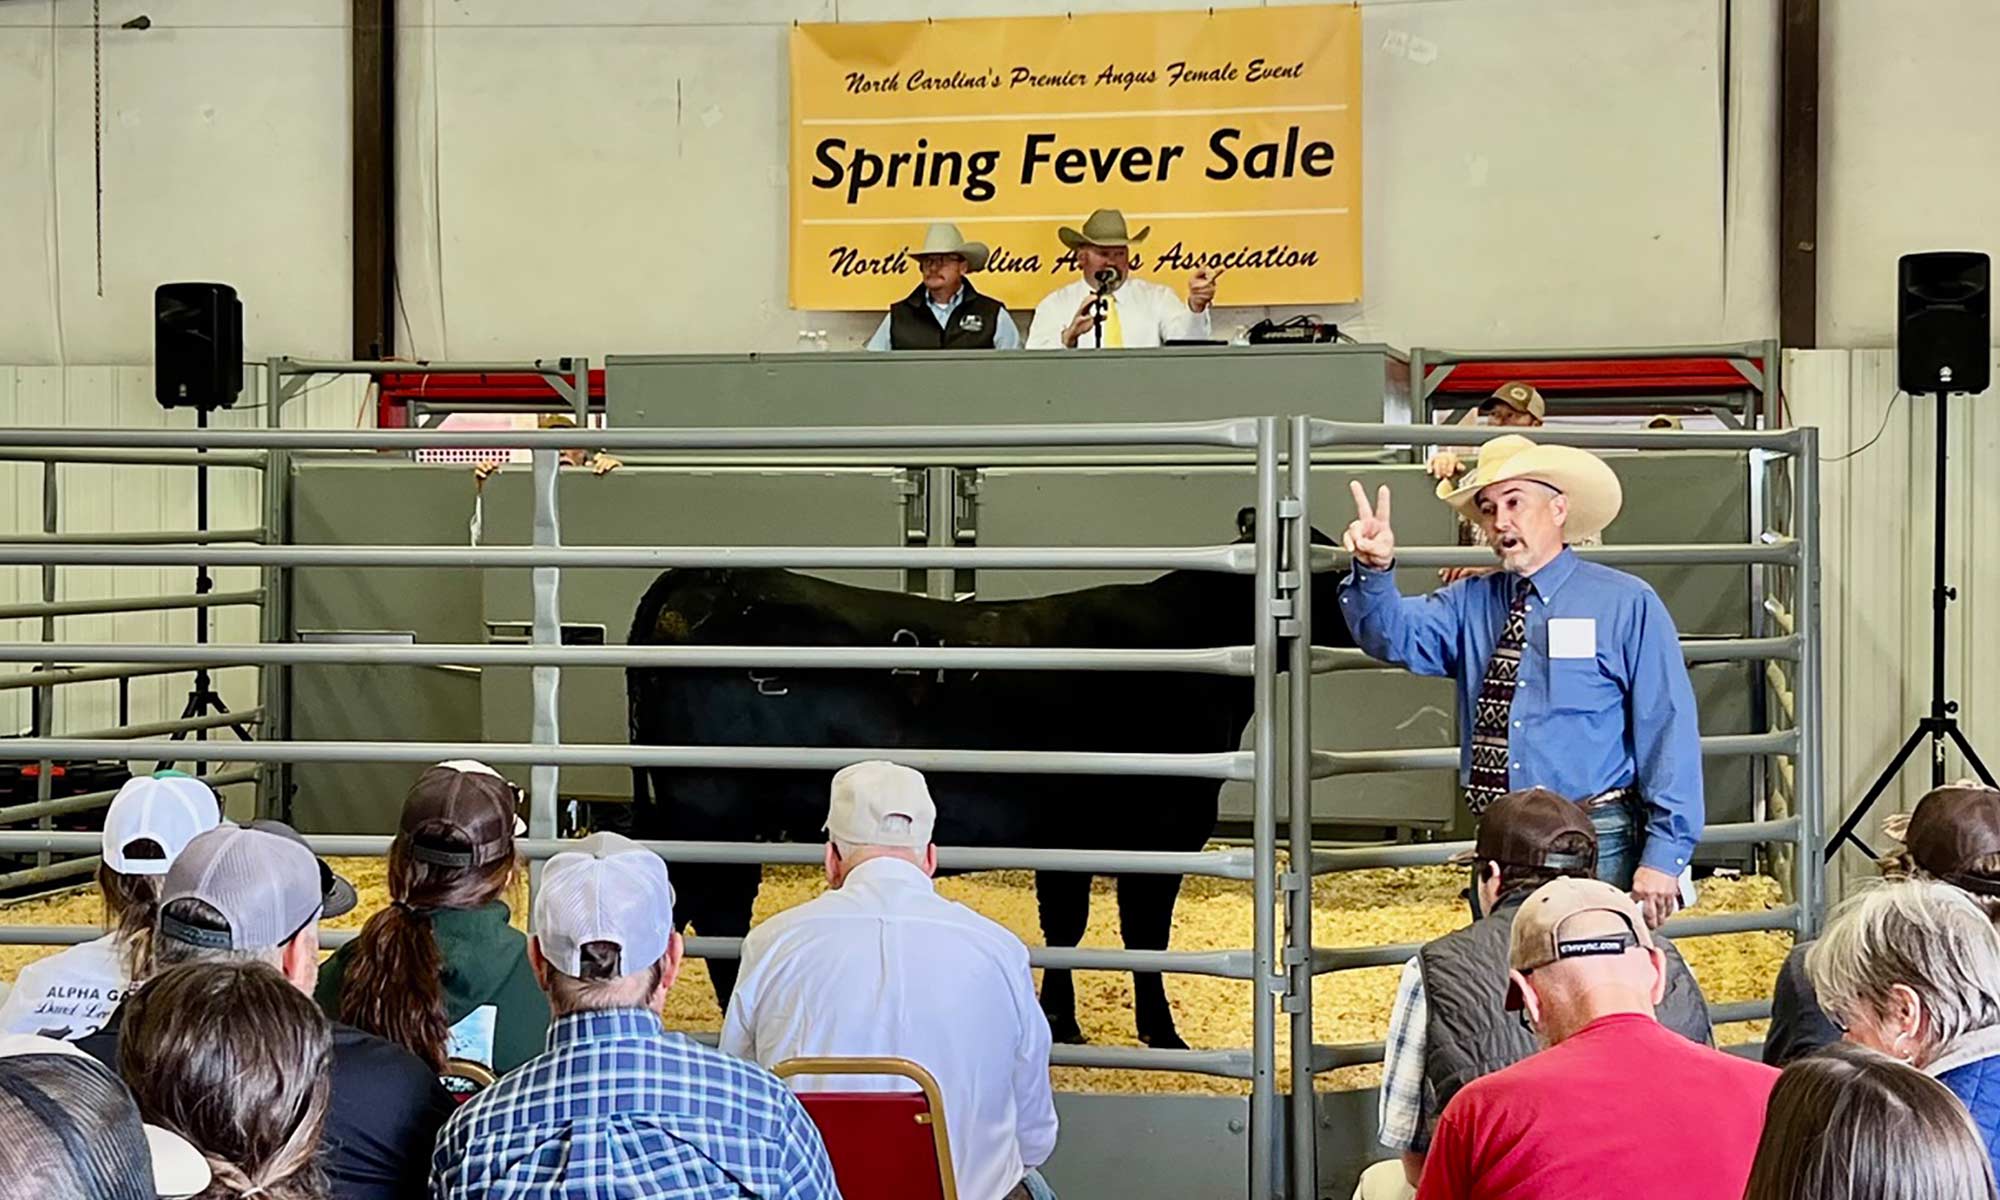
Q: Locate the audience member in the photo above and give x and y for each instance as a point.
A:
(1913, 969)
(1448, 1025)
(250, 1089)
(1618, 1105)
(1952, 835)
(1852, 1123)
(883, 965)
(440, 971)
(69, 1130)
(617, 1106)
(256, 894)
(70, 994)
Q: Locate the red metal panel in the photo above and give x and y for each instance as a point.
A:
(1599, 377)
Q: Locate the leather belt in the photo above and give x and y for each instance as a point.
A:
(1618, 795)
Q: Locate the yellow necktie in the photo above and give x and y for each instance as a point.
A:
(1114, 333)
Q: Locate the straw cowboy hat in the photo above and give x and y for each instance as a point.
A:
(1106, 227)
(1591, 486)
(945, 239)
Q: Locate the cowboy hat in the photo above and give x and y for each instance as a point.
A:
(1106, 227)
(945, 239)
(1591, 486)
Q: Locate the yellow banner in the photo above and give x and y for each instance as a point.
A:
(1235, 135)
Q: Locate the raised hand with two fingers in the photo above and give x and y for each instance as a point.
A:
(1369, 538)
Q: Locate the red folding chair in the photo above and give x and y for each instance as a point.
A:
(883, 1145)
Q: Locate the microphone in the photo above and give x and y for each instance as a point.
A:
(1105, 279)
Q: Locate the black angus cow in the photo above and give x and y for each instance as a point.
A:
(908, 709)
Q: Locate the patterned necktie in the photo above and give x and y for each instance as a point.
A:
(1488, 780)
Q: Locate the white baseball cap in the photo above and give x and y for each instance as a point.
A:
(168, 808)
(608, 889)
(880, 803)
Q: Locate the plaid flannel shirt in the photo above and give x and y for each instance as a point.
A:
(619, 1109)
(1400, 1116)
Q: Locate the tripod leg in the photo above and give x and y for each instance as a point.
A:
(1971, 755)
(1875, 790)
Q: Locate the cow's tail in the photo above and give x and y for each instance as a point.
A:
(645, 621)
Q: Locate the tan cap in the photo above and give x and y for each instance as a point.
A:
(881, 804)
(1522, 397)
(1573, 918)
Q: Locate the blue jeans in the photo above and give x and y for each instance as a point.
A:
(1618, 829)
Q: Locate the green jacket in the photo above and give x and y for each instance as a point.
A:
(491, 998)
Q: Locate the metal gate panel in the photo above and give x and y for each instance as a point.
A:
(1352, 710)
(658, 506)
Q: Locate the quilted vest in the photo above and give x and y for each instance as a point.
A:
(1977, 1084)
(912, 325)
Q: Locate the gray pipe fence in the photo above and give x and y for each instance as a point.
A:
(1280, 964)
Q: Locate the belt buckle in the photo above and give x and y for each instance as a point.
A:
(1606, 799)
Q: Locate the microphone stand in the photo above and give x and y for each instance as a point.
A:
(1097, 318)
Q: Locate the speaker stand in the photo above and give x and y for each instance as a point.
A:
(1942, 723)
(202, 698)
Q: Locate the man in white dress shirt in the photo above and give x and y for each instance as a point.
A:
(1135, 312)
(883, 965)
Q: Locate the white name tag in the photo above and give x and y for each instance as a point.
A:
(1572, 637)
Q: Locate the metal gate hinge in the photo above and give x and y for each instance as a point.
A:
(1295, 1004)
(1288, 628)
(1290, 507)
(1297, 956)
(1281, 607)
(1288, 581)
(1291, 881)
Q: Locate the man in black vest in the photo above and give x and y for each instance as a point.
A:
(1450, 1024)
(946, 312)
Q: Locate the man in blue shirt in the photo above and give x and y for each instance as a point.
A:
(619, 1109)
(1569, 673)
(945, 312)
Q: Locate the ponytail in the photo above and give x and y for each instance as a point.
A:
(394, 983)
(394, 986)
(131, 909)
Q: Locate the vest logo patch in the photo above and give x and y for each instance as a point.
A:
(971, 323)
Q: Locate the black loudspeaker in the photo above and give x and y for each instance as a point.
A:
(1944, 321)
(197, 345)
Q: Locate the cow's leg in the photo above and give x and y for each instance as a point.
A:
(716, 898)
(1145, 919)
(1064, 898)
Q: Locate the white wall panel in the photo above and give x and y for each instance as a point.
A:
(224, 143)
(1909, 150)
(1876, 527)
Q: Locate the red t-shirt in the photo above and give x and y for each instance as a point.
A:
(1625, 1109)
